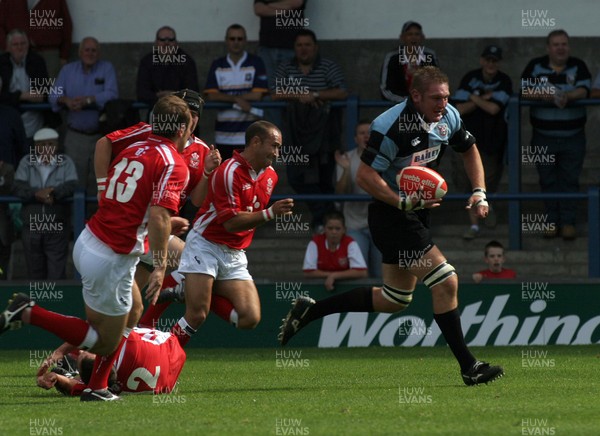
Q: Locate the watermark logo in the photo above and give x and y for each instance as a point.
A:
(532, 291)
(291, 86)
(292, 155)
(288, 291)
(45, 19)
(167, 123)
(537, 155)
(45, 223)
(413, 55)
(538, 87)
(45, 154)
(290, 19)
(410, 123)
(167, 55)
(413, 326)
(536, 223)
(537, 19)
(414, 395)
(290, 359)
(291, 223)
(533, 358)
(290, 426)
(44, 291)
(171, 259)
(168, 191)
(164, 324)
(413, 259)
(44, 86)
(44, 426)
(37, 357)
(166, 396)
(536, 426)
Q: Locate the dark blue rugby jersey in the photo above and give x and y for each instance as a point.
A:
(553, 120)
(399, 139)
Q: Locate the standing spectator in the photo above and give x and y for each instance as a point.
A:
(399, 66)
(166, 69)
(333, 255)
(83, 87)
(237, 78)
(47, 24)
(559, 131)
(280, 20)
(356, 212)
(481, 100)
(44, 180)
(494, 257)
(12, 148)
(309, 83)
(24, 73)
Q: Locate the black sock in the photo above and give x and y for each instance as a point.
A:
(355, 300)
(449, 324)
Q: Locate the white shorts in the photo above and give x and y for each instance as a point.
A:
(216, 260)
(147, 256)
(107, 277)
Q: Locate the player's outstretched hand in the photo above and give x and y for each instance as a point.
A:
(213, 160)
(47, 381)
(283, 207)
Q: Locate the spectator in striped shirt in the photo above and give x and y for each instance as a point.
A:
(309, 83)
(558, 143)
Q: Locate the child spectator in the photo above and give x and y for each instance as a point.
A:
(333, 255)
(494, 257)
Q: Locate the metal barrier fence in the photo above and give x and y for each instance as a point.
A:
(514, 196)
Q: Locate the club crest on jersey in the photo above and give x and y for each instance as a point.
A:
(415, 141)
(141, 150)
(194, 160)
(343, 261)
(571, 79)
(443, 129)
(269, 186)
(425, 156)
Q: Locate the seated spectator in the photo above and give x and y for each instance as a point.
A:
(356, 212)
(165, 70)
(44, 180)
(83, 87)
(238, 78)
(334, 255)
(47, 24)
(24, 76)
(494, 257)
(399, 65)
(481, 100)
(309, 83)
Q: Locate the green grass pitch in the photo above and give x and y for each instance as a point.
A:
(550, 390)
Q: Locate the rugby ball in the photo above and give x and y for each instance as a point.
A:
(421, 182)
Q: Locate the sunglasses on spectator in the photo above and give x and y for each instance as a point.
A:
(236, 38)
(166, 39)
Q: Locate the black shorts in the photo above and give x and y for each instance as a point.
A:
(399, 235)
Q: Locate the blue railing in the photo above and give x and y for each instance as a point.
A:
(514, 197)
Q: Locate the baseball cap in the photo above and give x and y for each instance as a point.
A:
(192, 98)
(45, 134)
(492, 51)
(410, 24)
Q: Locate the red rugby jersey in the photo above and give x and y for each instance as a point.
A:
(193, 154)
(234, 187)
(149, 173)
(319, 257)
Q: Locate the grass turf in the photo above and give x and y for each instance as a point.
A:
(308, 391)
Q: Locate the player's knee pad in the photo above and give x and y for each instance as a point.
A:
(401, 297)
(439, 274)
